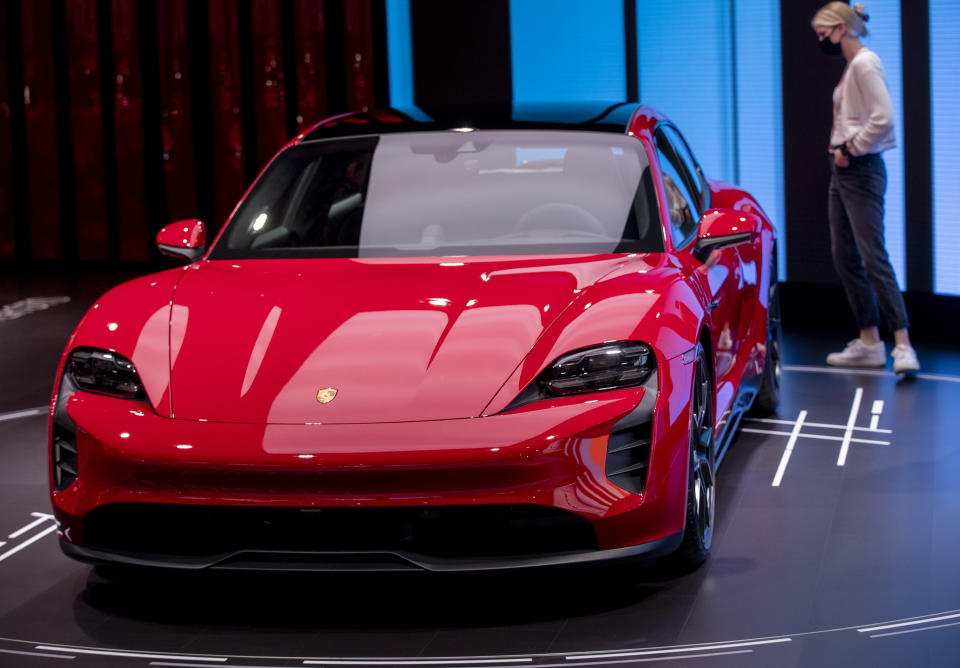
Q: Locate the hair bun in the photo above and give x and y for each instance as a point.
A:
(861, 11)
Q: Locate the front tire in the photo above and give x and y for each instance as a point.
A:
(701, 483)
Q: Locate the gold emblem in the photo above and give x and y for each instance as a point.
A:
(326, 395)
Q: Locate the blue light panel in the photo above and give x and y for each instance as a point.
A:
(945, 109)
(884, 39)
(399, 53)
(686, 72)
(565, 50)
(759, 101)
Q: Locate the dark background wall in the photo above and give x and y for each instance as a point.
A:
(118, 116)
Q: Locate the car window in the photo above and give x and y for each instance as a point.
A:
(505, 192)
(690, 168)
(681, 202)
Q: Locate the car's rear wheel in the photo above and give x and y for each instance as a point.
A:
(701, 484)
(768, 397)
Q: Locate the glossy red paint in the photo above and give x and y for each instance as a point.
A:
(232, 355)
(191, 233)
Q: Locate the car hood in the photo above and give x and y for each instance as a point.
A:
(268, 341)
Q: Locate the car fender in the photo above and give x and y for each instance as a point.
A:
(657, 306)
(133, 319)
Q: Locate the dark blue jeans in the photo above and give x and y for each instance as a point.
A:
(856, 241)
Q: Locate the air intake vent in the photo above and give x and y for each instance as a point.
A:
(628, 457)
(64, 457)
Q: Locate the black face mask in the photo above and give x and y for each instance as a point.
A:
(831, 49)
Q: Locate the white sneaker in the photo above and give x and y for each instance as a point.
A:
(905, 359)
(858, 354)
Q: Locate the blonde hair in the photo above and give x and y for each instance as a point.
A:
(836, 13)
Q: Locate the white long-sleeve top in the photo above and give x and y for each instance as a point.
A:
(862, 111)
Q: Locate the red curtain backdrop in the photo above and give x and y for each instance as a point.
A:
(135, 113)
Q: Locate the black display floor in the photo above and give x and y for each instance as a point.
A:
(815, 563)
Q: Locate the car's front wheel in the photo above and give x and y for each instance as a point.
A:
(701, 484)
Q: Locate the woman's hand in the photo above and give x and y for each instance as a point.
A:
(840, 158)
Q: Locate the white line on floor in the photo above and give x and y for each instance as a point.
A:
(28, 542)
(41, 518)
(816, 436)
(817, 424)
(877, 410)
(912, 622)
(797, 426)
(870, 372)
(130, 655)
(925, 628)
(16, 415)
(646, 660)
(46, 656)
(854, 411)
(424, 662)
(677, 650)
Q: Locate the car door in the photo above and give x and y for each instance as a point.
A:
(688, 196)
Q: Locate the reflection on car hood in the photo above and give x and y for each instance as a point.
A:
(268, 341)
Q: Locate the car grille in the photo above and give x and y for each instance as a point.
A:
(443, 531)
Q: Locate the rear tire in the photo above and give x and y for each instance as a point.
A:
(768, 397)
(701, 482)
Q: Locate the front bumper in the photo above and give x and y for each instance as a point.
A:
(549, 455)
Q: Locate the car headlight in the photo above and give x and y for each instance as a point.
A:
(104, 372)
(610, 366)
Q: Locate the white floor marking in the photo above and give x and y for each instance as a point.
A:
(925, 628)
(46, 656)
(854, 411)
(130, 655)
(817, 424)
(41, 518)
(28, 542)
(912, 622)
(702, 655)
(18, 309)
(797, 426)
(871, 372)
(409, 662)
(876, 411)
(16, 415)
(677, 650)
(816, 436)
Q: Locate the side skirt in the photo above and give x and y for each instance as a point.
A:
(744, 400)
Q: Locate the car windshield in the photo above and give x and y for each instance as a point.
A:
(450, 193)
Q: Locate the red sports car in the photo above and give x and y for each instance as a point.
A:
(459, 342)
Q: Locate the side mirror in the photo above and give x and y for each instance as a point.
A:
(722, 228)
(184, 240)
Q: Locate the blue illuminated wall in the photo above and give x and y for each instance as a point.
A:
(686, 71)
(399, 53)
(759, 117)
(567, 50)
(945, 108)
(884, 39)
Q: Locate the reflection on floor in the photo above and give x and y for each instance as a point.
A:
(836, 546)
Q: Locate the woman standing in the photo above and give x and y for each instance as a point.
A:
(862, 130)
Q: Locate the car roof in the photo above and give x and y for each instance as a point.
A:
(585, 116)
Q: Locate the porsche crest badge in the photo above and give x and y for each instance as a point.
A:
(326, 395)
